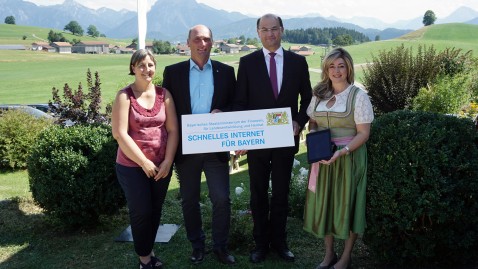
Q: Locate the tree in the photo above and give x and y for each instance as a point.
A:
(92, 31)
(343, 40)
(429, 18)
(74, 28)
(162, 47)
(252, 41)
(56, 37)
(377, 38)
(242, 38)
(10, 20)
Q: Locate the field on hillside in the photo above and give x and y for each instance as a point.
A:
(13, 34)
(28, 76)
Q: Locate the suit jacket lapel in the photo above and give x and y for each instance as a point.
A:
(216, 74)
(184, 80)
(286, 67)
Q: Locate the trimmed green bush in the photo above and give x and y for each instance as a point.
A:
(72, 174)
(18, 132)
(422, 190)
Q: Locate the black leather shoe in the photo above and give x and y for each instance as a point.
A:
(197, 256)
(258, 255)
(224, 256)
(285, 254)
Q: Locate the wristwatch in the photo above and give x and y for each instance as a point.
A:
(347, 149)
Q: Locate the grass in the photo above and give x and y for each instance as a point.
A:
(29, 240)
(28, 76)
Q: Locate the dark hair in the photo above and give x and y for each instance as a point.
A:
(323, 89)
(272, 16)
(138, 56)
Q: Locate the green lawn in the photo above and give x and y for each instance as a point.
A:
(28, 76)
(29, 240)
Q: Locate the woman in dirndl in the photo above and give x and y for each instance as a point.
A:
(335, 199)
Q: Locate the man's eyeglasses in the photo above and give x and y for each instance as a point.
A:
(273, 30)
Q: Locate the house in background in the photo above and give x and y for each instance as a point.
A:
(183, 50)
(61, 47)
(94, 47)
(40, 45)
(147, 45)
(218, 43)
(230, 48)
(302, 50)
(248, 48)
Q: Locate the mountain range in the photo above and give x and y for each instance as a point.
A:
(170, 20)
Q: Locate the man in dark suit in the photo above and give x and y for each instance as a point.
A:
(264, 81)
(201, 85)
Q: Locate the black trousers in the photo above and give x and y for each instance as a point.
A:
(145, 198)
(217, 178)
(270, 217)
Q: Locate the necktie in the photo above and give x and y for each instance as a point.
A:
(273, 74)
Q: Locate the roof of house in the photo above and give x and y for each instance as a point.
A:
(62, 44)
(232, 45)
(40, 43)
(305, 52)
(183, 47)
(296, 47)
(92, 43)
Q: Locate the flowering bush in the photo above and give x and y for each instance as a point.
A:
(240, 235)
(298, 188)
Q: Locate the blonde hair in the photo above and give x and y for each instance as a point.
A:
(323, 89)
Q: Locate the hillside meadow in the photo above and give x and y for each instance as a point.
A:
(28, 76)
(29, 241)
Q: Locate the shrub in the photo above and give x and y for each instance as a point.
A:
(448, 95)
(78, 107)
(298, 189)
(240, 234)
(72, 174)
(394, 77)
(451, 61)
(455, 90)
(18, 132)
(423, 171)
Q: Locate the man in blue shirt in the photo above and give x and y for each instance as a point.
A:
(201, 85)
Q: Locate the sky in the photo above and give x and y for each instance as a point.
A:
(388, 11)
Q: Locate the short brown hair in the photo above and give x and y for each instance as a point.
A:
(138, 56)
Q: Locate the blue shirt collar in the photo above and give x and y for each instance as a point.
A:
(192, 65)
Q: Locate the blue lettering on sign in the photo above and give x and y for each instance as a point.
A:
(202, 137)
(251, 142)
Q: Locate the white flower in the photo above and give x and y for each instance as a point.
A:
(239, 190)
(296, 162)
(303, 171)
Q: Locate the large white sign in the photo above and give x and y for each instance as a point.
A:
(242, 130)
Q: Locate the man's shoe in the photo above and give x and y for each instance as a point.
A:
(197, 256)
(258, 255)
(224, 256)
(285, 254)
